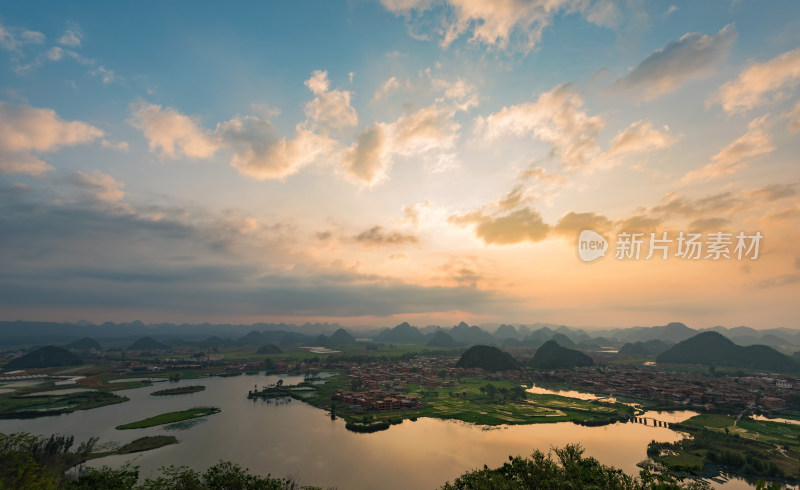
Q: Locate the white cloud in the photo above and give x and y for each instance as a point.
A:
(640, 137)
(54, 54)
(386, 88)
(259, 153)
(72, 36)
(12, 38)
(172, 133)
(737, 155)
(501, 24)
(98, 186)
(557, 117)
(330, 109)
(429, 131)
(26, 130)
(666, 69)
(753, 85)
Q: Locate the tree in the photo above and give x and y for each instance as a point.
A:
(568, 470)
(518, 393)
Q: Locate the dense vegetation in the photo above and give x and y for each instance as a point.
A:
(488, 358)
(30, 462)
(342, 337)
(646, 348)
(269, 349)
(402, 334)
(84, 344)
(552, 356)
(48, 356)
(569, 470)
(442, 339)
(715, 349)
(148, 344)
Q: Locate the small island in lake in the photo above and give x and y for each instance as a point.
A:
(182, 390)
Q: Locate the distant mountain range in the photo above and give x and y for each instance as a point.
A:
(643, 341)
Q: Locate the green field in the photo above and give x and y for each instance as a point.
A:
(713, 421)
(15, 405)
(467, 403)
(744, 447)
(169, 418)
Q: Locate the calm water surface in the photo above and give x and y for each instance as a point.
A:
(298, 440)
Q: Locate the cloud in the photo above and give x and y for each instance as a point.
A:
(330, 109)
(430, 130)
(377, 237)
(794, 119)
(668, 68)
(737, 155)
(412, 212)
(260, 153)
(98, 186)
(557, 117)
(172, 133)
(778, 281)
(674, 204)
(115, 145)
(72, 36)
(367, 160)
(387, 88)
(759, 80)
(705, 225)
(13, 38)
(26, 130)
(542, 175)
(173, 265)
(572, 223)
(640, 137)
(506, 24)
(773, 192)
(638, 223)
(522, 225)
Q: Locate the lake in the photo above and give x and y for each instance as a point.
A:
(298, 440)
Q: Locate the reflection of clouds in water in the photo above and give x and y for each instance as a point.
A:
(297, 439)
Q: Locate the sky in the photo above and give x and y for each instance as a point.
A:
(428, 161)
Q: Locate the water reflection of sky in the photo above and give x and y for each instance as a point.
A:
(298, 440)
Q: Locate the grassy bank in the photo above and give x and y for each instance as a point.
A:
(170, 417)
(746, 447)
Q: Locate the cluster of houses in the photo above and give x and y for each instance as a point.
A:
(685, 388)
(376, 400)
